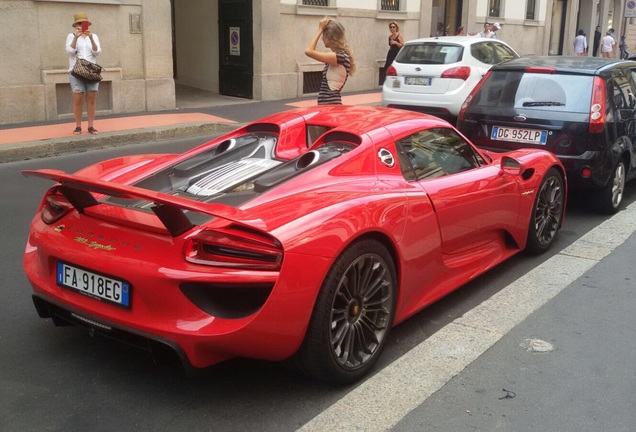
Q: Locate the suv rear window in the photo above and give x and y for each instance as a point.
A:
(430, 53)
(545, 92)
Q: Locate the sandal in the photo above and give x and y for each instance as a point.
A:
(92, 131)
(77, 131)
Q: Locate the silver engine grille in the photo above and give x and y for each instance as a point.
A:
(230, 175)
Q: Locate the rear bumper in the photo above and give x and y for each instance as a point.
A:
(62, 315)
(435, 104)
(162, 315)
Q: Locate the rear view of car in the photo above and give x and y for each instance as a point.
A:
(435, 75)
(582, 110)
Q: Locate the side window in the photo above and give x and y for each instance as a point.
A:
(622, 90)
(632, 87)
(503, 52)
(434, 153)
(483, 52)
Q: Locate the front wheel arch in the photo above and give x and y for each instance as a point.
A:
(547, 212)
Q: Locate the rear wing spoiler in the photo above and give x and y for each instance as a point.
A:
(168, 208)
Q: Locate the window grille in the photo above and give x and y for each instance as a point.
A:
(311, 82)
(316, 2)
(530, 8)
(494, 8)
(390, 5)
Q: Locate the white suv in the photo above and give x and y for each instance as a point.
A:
(435, 75)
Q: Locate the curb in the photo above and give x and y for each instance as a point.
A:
(77, 144)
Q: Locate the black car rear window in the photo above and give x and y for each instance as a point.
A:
(551, 92)
(430, 53)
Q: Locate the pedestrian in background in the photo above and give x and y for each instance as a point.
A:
(580, 44)
(396, 41)
(460, 31)
(339, 62)
(493, 30)
(608, 45)
(486, 31)
(623, 48)
(84, 44)
(597, 40)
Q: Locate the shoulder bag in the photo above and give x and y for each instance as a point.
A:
(87, 71)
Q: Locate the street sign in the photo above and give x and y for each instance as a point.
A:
(235, 41)
(630, 9)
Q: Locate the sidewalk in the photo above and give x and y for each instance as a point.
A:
(39, 141)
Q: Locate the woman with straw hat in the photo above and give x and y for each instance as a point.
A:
(84, 44)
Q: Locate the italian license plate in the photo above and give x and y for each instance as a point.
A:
(530, 136)
(422, 81)
(93, 285)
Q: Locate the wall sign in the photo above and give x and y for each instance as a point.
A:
(235, 41)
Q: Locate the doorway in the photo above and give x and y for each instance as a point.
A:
(236, 49)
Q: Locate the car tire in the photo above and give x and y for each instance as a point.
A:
(547, 213)
(352, 317)
(610, 197)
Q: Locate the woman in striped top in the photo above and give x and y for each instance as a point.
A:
(339, 63)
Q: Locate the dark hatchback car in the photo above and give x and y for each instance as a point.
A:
(582, 109)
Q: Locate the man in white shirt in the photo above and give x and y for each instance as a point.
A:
(608, 45)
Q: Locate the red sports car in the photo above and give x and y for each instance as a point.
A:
(305, 236)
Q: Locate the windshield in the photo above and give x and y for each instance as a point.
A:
(518, 89)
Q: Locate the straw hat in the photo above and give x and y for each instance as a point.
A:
(80, 17)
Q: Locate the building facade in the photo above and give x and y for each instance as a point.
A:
(246, 48)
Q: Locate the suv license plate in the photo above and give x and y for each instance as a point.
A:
(417, 81)
(93, 285)
(530, 136)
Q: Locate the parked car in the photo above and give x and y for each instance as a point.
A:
(305, 236)
(580, 108)
(435, 75)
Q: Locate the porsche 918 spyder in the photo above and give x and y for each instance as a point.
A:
(305, 236)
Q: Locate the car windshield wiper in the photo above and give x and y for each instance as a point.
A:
(547, 103)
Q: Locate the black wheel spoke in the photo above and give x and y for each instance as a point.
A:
(360, 315)
(548, 211)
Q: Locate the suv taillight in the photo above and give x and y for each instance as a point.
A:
(462, 110)
(460, 72)
(391, 71)
(597, 108)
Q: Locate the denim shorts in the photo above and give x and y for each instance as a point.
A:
(79, 86)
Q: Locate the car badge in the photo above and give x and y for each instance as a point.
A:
(520, 118)
(419, 69)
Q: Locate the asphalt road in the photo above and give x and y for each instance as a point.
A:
(61, 379)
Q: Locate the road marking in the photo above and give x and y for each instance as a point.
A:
(383, 400)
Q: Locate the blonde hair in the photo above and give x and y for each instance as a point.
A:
(397, 27)
(335, 32)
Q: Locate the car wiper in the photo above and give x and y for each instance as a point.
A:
(534, 104)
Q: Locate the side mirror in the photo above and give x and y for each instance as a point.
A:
(512, 166)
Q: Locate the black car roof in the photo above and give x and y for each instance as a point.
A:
(576, 65)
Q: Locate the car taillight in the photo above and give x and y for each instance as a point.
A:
(597, 108)
(462, 110)
(391, 71)
(460, 72)
(54, 206)
(234, 248)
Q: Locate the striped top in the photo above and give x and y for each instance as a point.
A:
(333, 80)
